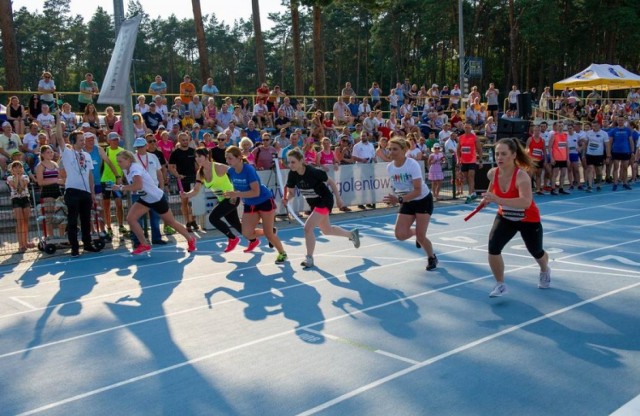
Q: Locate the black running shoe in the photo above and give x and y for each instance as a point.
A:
(432, 262)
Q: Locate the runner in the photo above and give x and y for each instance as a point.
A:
(558, 149)
(151, 198)
(414, 197)
(596, 141)
(537, 152)
(314, 185)
(510, 188)
(469, 152)
(258, 201)
(213, 175)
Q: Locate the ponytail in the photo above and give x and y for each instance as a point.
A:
(523, 160)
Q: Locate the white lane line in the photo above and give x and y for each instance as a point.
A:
(632, 408)
(397, 357)
(458, 350)
(18, 299)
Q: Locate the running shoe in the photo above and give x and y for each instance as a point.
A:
(432, 262)
(195, 226)
(231, 244)
(122, 230)
(589, 189)
(307, 262)
(554, 192)
(355, 237)
(192, 245)
(540, 193)
(168, 230)
(418, 244)
(499, 290)
(282, 257)
(252, 245)
(615, 187)
(545, 279)
(142, 248)
(563, 192)
(626, 186)
(75, 252)
(275, 231)
(598, 188)
(580, 187)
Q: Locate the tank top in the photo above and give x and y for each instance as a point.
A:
(468, 148)
(49, 173)
(107, 174)
(326, 158)
(559, 150)
(536, 150)
(218, 184)
(530, 214)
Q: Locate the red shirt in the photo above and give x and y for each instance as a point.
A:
(468, 151)
(531, 214)
(536, 150)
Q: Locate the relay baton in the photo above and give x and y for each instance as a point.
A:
(180, 188)
(475, 210)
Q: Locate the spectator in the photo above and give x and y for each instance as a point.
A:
(343, 151)
(90, 116)
(287, 108)
(46, 88)
(375, 93)
(309, 151)
(223, 118)
(88, 89)
(16, 115)
(245, 109)
(354, 108)
(209, 90)
(19, 185)
(110, 119)
(513, 98)
(9, 143)
(265, 154)
(492, 100)
(294, 141)
(382, 152)
(455, 96)
(161, 107)
(281, 140)
(174, 121)
(152, 119)
(187, 91)
(178, 107)
(252, 132)
(341, 113)
(187, 121)
(261, 114)
(262, 93)
(34, 107)
(246, 146)
(218, 152)
(141, 106)
(325, 158)
(158, 87)
(108, 179)
(282, 121)
(232, 133)
(46, 119)
(210, 114)
(275, 97)
(197, 110)
(347, 91)
(364, 151)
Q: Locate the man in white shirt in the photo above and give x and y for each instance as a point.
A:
(46, 88)
(364, 152)
(79, 195)
(513, 98)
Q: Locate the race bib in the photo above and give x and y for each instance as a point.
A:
(537, 152)
(465, 150)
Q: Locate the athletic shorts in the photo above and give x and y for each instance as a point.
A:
(594, 160)
(418, 206)
(50, 191)
(504, 230)
(22, 202)
(466, 167)
(492, 107)
(160, 207)
(322, 210)
(560, 164)
(620, 156)
(574, 157)
(513, 106)
(538, 164)
(266, 206)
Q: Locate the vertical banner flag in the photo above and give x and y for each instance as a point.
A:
(116, 88)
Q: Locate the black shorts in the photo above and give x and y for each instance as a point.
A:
(538, 164)
(513, 106)
(107, 193)
(560, 164)
(621, 156)
(50, 191)
(266, 206)
(594, 160)
(492, 107)
(22, 202)
(418, 206)
(160, 207)
(466, 167)
(186, 184)
(504, 230)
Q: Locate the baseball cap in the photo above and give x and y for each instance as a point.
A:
(436, 146)
(113, 136)
(152, 104)
(88, 135)
(195, 126)
(161, 127)
(5, 124)
(157, 97)
(187, 112)
(139, 142)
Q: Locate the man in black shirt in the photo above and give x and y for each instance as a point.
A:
(182, 165)
(152, 119)
(282, 122)
(217, 153)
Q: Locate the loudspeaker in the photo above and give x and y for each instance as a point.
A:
(513, 126)
(524, 105)
(481, 181)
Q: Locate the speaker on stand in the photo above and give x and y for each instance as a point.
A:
(524, 106)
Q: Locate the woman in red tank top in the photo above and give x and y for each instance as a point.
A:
(510, 189)
(537, 152)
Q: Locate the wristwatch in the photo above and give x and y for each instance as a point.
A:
(400, 200)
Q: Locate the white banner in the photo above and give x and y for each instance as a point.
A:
(116, 88)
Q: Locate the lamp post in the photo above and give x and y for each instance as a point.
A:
(463, 85)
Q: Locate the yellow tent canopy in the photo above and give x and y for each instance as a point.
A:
(603, 77)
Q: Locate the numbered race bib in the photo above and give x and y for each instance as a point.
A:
(465, 150)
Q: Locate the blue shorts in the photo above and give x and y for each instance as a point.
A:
(574, 157)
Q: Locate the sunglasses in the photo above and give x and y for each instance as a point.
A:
(151, 141)
(222, 140)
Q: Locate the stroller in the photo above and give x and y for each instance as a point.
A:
(55, 213)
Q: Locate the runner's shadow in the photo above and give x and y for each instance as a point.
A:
(178, 387)
(388, 306)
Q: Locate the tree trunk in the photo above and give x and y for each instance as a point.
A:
(202, 43)
(319, 81)
(9, 46)
(257, 29)
(297, 50)
(513, 52)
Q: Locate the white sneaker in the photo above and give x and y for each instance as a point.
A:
(545, 279)
(355, 237)
(499, 290)
(308, 262)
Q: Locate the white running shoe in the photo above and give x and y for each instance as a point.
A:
(355, 237)
(499, 290)
(308, 262)
(545, 279)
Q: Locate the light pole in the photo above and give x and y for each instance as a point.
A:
(463, 85)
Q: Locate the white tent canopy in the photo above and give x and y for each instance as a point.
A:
(602, 77)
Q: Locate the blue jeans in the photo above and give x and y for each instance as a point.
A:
(154, 222)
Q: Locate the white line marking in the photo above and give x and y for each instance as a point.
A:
(18, 299)
(397, 357)
(458, 350)
(632, 408)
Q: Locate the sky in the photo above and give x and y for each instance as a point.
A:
(225, 11)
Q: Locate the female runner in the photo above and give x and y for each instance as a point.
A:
(151, 197)
(214, 176)
(510, 188)
(414, 197)
(314, 184)
(258, 200)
